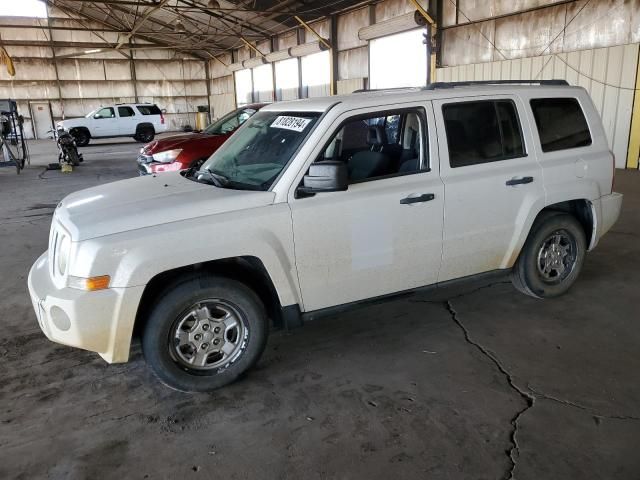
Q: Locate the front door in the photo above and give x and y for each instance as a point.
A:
(492, 182)
(384, 234)
(104, 123)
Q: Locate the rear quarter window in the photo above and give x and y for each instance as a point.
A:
(561, 123)
(148, 109)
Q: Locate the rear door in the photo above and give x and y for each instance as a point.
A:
(492, 182)
(127, 120)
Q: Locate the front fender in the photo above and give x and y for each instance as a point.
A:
(133, 258)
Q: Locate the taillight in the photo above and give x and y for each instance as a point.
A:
(161, 118)
(613, 173)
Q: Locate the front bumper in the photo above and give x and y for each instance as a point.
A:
(100, 321)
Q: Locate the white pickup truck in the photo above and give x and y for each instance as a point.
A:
(321, 204)
(142, 121)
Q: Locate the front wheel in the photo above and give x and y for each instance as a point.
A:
(81, 137)
(74, 159)
(204, 333)
(552, 256)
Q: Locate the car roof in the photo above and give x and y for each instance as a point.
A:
(370, 98)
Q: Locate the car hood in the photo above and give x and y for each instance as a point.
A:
(147, 201)
(72, 121)
(177, 141)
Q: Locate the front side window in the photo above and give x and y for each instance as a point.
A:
(482, 131)
(107, 112)
(379, 145)
(254, 157)
(561, 123)
(126, 111)
(230, 122)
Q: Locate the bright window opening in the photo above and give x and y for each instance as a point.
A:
(23, 8)
(244, 87)
(398, 61)
(287, 79)
(263, 83)
(316, 74)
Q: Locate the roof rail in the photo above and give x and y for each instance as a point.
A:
(436, 85)
(390, 89)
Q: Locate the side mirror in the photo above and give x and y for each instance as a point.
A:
(97, 115)
(327, 176)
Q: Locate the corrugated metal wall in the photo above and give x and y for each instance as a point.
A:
(608, 74)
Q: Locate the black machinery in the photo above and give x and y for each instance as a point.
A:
(13, 148)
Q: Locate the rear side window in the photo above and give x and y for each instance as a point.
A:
(482, 132)
(561, 123)
(126, 112)
(148, 109)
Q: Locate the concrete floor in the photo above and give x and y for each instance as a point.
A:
(481, 383)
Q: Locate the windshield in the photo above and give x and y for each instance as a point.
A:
(91, 113)
(230, 121)
(252, 158)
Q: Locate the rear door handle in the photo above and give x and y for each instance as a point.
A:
(425, 197)
(519, 181)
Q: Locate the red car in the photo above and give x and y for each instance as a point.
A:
(179, 152)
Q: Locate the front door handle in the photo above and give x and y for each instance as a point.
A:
(425, 197)
(519, 181)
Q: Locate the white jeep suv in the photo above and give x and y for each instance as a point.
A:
(321, 204)
(142, 121)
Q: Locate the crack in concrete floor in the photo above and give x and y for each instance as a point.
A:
(528, 394)
(525, 395)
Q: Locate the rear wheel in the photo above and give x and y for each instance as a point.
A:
(552, 256)
(204, 333)
(145, 134)
(81, 136)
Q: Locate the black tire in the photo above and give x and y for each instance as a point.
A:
(73, 157)
(160, 343)
(81, 136)
(542, 272)
(145, 134)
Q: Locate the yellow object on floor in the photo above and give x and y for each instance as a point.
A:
(66, 168)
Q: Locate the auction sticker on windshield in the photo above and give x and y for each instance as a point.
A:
(296, 124)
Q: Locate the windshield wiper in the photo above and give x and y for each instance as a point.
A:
(217, 179)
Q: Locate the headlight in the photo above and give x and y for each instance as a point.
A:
(166, 157)
(63, 254)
